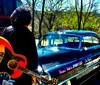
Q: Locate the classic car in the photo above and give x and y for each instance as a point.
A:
(68, 54)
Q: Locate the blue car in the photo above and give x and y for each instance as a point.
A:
(68, 54)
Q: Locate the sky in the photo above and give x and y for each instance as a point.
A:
(66, 3)
(25, 1)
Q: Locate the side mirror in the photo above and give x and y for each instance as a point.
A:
(84, 48)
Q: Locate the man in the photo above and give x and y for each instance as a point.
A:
(22, 40)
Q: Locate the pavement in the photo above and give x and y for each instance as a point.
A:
(94, 80)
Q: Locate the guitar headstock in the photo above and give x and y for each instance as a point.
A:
(54, 81)
(50, 81)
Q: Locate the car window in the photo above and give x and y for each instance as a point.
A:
(45, 41)
(60, 40)
(71, 39)
(51, 40)
(89, 41)
(95, 40)
(57, 41)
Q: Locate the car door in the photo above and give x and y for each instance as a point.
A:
(88, 48)
(96, 46)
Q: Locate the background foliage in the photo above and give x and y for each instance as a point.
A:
(66, 14)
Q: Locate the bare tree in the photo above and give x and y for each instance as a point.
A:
(42, 15)
(33, 5)
(90, 10)
(79, 12)
(51, 9)
(84, 11)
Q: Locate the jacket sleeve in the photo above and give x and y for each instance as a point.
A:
(7, 31)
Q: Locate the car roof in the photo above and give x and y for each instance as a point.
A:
(74, 32)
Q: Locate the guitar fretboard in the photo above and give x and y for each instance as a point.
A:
(12, 64)
(26, 71)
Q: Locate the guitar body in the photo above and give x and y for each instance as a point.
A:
(21, 59)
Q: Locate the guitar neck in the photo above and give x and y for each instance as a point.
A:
(31, 73)
(12, 64)
(27, 71)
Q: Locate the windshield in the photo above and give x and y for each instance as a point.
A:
(60, 40)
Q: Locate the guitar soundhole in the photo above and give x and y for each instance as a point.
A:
(12, 64)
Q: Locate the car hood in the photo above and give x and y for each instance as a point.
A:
(53, 54)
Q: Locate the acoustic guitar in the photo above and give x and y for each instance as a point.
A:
(17, 63)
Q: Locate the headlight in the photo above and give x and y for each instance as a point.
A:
(40, 70)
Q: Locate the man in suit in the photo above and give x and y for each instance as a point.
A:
(22, 40)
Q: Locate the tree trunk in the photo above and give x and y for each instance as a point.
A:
(40, 24)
